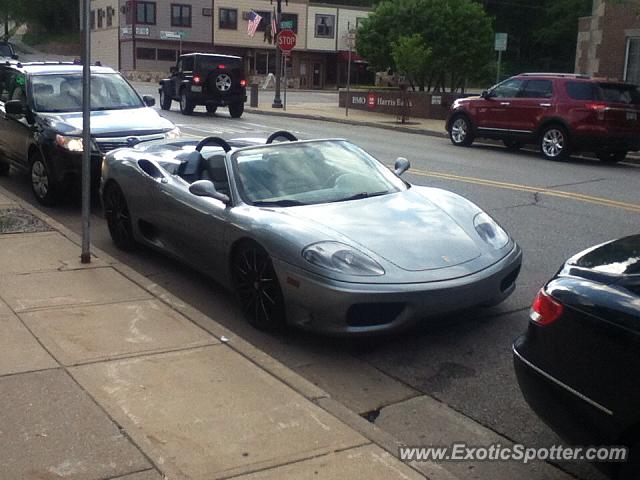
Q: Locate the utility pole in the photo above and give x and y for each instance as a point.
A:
(277, 101)
(85, 257)
(134, 25)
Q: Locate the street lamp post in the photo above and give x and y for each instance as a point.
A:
(85, 257)
(277, 101)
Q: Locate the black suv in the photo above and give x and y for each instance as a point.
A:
(206, 79)
(41, 122)
(7, 51)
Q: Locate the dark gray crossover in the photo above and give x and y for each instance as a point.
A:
(314, 233)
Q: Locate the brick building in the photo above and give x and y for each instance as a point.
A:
(609, 41)
(220, 26)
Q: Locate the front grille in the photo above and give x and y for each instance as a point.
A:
(107, 144)
(372, 314)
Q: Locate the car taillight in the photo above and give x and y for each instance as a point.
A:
(243, 83)
(222, 66)
(197, 79)
(545, 309)
(596, 107)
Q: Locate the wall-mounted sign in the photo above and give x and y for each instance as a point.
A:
(168, 35)
(501, 42)
(142, 31)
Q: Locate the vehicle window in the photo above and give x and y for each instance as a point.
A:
(290, 174)
(5, 50)
(63, 93)
(620, 93)
(507, 89)
(537, 89)
(212, 63)
(583, 91)
(12, 86)
(187, 64)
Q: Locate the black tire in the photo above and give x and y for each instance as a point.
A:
(4, 169)
(116, 213)
(46, 190)
(512, 145)
(611, 157)
(461, 131)
(211, 109)
(186, 105)
(165, 100)
(257, 287)
(555, 143)
(236, 109)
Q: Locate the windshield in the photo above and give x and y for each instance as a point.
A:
(63, 93)
(290, 174)
(206, 63)
(5, 51)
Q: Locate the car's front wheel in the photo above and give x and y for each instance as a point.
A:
(165, 100)
(44, 187)
(460, 132)
(236, 109)
(257, 287)
(611, 157)
(554, 143)
(116, 212)
(186, 105)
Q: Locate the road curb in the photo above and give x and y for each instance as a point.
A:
(421, 131)
(262, 360)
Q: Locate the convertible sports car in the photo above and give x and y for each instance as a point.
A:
(313, 233)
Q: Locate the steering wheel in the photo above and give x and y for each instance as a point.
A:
(213, 141)
(282, 134)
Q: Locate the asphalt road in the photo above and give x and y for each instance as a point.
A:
(464, 362)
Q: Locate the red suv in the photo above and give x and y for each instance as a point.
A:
(561, 113)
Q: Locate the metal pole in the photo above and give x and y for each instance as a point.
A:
(134, 25)
(499, 61)
(348, 72)
(86, 136)
(277, 102)
(285, 59)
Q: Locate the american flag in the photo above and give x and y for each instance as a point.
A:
(274, 24)
(254, 21)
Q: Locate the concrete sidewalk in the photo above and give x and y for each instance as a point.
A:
(105, 375)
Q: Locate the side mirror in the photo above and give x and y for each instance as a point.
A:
(173, 70)
(149, 101)
(401, 166)
(486, 95)
(205, 188)
(15, 107)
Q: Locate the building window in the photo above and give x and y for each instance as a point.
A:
(166, 54)
(93, 19)
(632, 65)
(146, 13)
(145, 53)
(266, 20)
(180, 15)
(100, 16)
(228, 19)
(289, 21)
(324, 25)
(109, 16)
(206, 12)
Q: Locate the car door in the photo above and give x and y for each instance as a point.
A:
(498, 116)
(534, 100)
(16, 130)
(193, 227)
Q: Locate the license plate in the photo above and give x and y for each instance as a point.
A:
(196, 88)
(632, 116)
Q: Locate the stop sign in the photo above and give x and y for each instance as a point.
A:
(286, 40)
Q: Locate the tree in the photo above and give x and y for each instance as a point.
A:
(412, 58)
(458, 32)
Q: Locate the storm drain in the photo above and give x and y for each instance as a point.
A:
(19, 220)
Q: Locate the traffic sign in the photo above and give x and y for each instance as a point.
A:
(501, 42)
(286, 40)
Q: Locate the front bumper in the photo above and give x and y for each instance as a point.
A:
(335, 307)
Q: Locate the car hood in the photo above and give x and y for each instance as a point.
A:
(404, 228)
(133, 121)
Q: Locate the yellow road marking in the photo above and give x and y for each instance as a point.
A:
(526, 188)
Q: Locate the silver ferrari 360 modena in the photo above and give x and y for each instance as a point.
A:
(313, 233)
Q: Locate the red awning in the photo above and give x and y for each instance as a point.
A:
(355, 58)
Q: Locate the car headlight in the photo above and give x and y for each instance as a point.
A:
(341, 258)
(73, 144)
(175, 133)
(490, 231)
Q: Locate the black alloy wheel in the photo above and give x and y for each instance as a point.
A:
(257, 287)
(116, 212)
(45, 189)
(186, 105)
(165, 100)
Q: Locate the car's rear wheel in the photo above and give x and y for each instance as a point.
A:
(236, 109)
(512, 145)
(116, 212)
(460, 132)
(611, 157)
(186, 105)
(44, 187)
(165, 100)
(211, 109)
(257, 287)
(554, 143)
